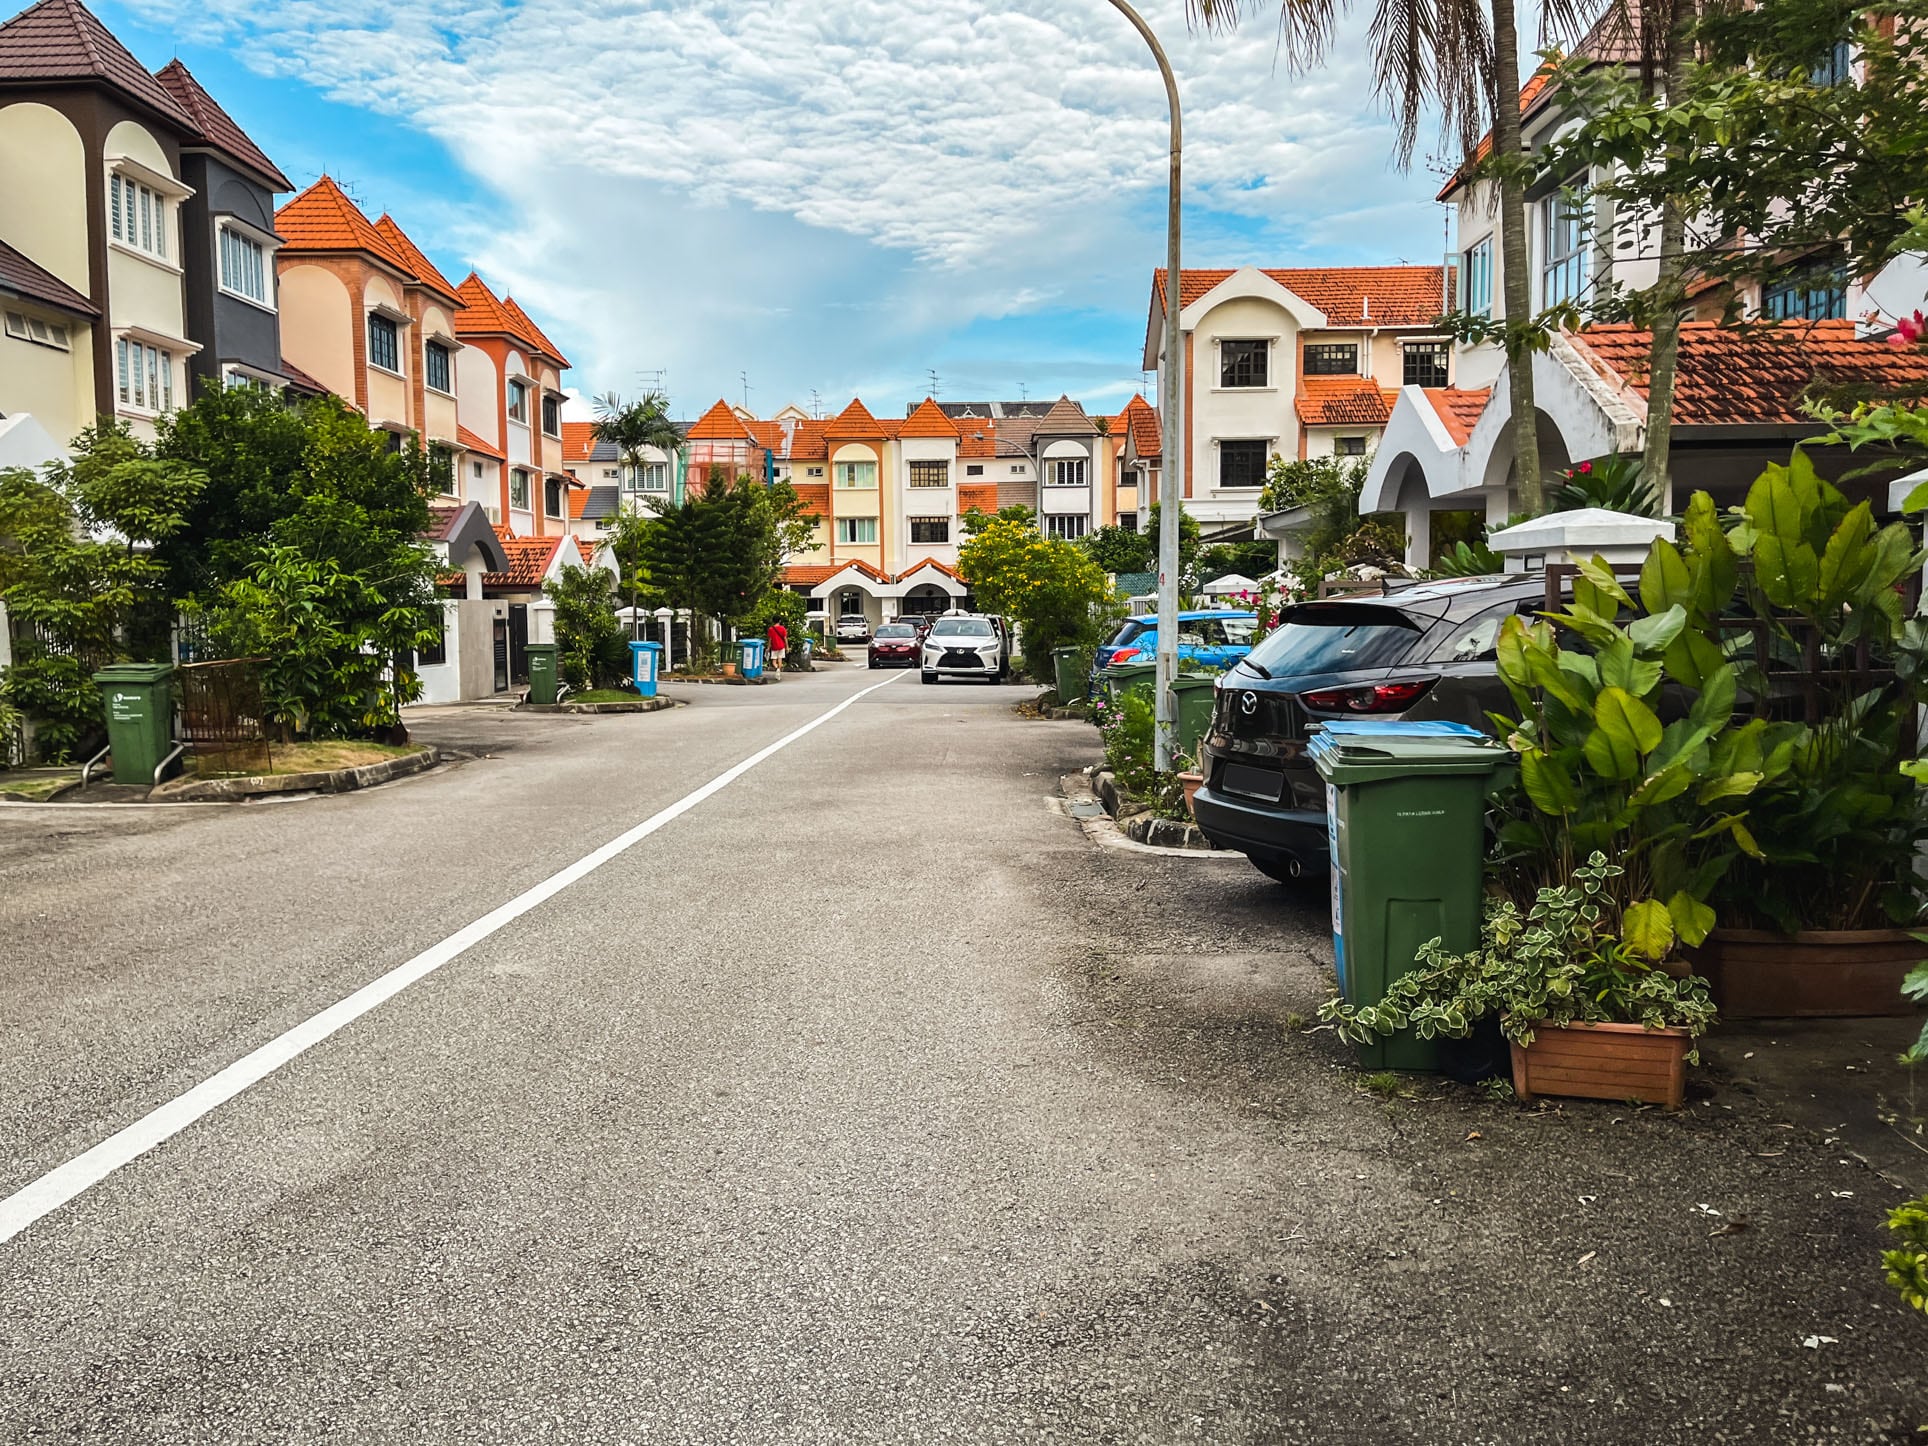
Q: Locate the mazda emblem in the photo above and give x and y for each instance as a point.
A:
(1248, 703)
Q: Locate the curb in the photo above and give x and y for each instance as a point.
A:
(1081, 801)
(336, 780)
(641, 705)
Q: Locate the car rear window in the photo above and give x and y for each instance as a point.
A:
(1335, 638)
(1130, 629)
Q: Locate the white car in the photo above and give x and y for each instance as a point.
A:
(965, 646)
(853, 628)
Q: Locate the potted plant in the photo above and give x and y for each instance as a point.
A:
(1586, 1009)
(1191, 780)
(1804, 593)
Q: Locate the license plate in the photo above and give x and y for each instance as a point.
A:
(1249, 782)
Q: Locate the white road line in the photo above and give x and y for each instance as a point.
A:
(84, 1171)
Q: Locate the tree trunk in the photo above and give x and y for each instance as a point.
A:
(1668, 296)
(1516, 277)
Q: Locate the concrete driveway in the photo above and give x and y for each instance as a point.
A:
(864, 1100)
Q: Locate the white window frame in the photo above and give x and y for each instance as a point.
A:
(1059, 525)
(1476, 278)
(448, 346)
(849, 473)
(850, 530)
(1066, 472)
(38, 331)
(143, 211)
(1567, 271)
(517, 408)
(263, 247)
(143, 376)
(943, 522)
(520, 475)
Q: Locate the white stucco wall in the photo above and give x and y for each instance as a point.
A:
(41, 156)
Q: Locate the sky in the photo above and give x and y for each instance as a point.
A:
(813, 198)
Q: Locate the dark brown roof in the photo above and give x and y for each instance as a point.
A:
(301, 381)
(60, 40)
(216, 128)
(30, 282)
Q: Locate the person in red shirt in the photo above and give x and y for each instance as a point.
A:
(777, 643)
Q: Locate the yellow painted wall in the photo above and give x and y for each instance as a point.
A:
(318, 324)
(55, 387)
(41, 157)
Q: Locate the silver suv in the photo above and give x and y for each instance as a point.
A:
(964, 645)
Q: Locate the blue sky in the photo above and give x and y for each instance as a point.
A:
(840, 197)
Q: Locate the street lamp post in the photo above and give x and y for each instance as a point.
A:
(1172, 452)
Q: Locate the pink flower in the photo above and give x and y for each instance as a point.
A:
(1585, 467)
(1908, 331)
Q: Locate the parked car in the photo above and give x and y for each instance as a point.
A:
(1217, 637)
(1426, 651)
(895, 645)
(853, 628)
(965, 645)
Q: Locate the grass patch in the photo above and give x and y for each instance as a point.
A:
(34, 785)
(327, 756)
(604, 695)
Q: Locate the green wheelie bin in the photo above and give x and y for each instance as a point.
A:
(1123, 678)
(1064, 676)
(1405, 811)
(139, 701)
(542, 673)
(1192, 700)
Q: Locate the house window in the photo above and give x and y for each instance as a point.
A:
(930, 529)
(1243, 363)
(34, 329)
(518, 403)
(1476, 278)
(1348, 446)
(437, 652)
(1017, 469)
(1128, 521)
(1809, 293)
(1066, 526)
(813, 471)
(974, 469)
(1837, 69)
(475, 470)
(552, 497)
(146, 376)
(1332, 359)
(930, 474)
(384, 346)
(435, 367)
(856, 474)
(552, 416)
(137, 216)
(518, 488)
(856, 529)
(610, 474)
(1241, 464)
(244, 266)
(1065, 472)
(1566, 237)
(441, 470)
(1425, 363)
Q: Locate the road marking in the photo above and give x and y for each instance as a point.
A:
(84, 1171)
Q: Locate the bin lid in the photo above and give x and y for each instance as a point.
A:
(1353, 750)
(1131, 670)
(1192, 682)
(135, 673)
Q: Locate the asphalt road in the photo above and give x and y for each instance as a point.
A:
(865, 1101)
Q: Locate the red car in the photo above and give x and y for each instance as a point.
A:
(894, 645)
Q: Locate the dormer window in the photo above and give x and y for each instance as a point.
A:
(435, 368)
(384, 343)
(137, 215)
(519, 402)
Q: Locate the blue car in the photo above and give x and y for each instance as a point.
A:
(1213, 637)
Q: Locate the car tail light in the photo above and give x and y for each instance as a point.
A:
(1124, 655)
(1375, 698)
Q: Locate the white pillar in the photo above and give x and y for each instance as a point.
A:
(1419, 537)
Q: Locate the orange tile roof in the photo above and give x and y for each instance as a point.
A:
(1529, 93)
(979, 438)
(1342, 401)
(977, 496)
(535, 333)
(855, 421)
(420, 266)
(949, 572)
(1141, 419)
(322, 218)
(928, 420)
(1348, 295)
(815, 496)
(1754, 375)
(588, 553)
(483, 314)
(1458, 409)
(578, 500)
(807, 444)
(809, 574)
(472, 443)
(719, 424)
(578, 441)
(529, 559)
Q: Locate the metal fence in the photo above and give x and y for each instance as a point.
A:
(222, 719)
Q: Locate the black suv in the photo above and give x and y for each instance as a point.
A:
(1426, 651)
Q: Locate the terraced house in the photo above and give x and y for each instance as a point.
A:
(136, 237)
(1298, 362)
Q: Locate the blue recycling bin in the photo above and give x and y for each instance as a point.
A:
(644, 661)
(752, 658)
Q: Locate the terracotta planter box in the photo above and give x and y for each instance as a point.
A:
(1604, 1062)
(1190, 782)
(1758, 974)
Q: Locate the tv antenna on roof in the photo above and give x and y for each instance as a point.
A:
(816, 405)
(744, 377)
(1024, 392)
(932, 374)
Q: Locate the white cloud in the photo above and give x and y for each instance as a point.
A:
(816, 191)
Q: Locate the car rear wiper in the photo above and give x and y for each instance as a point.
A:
(1248, 663)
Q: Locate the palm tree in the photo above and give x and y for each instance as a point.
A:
(632, 427)
(1464, 60)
